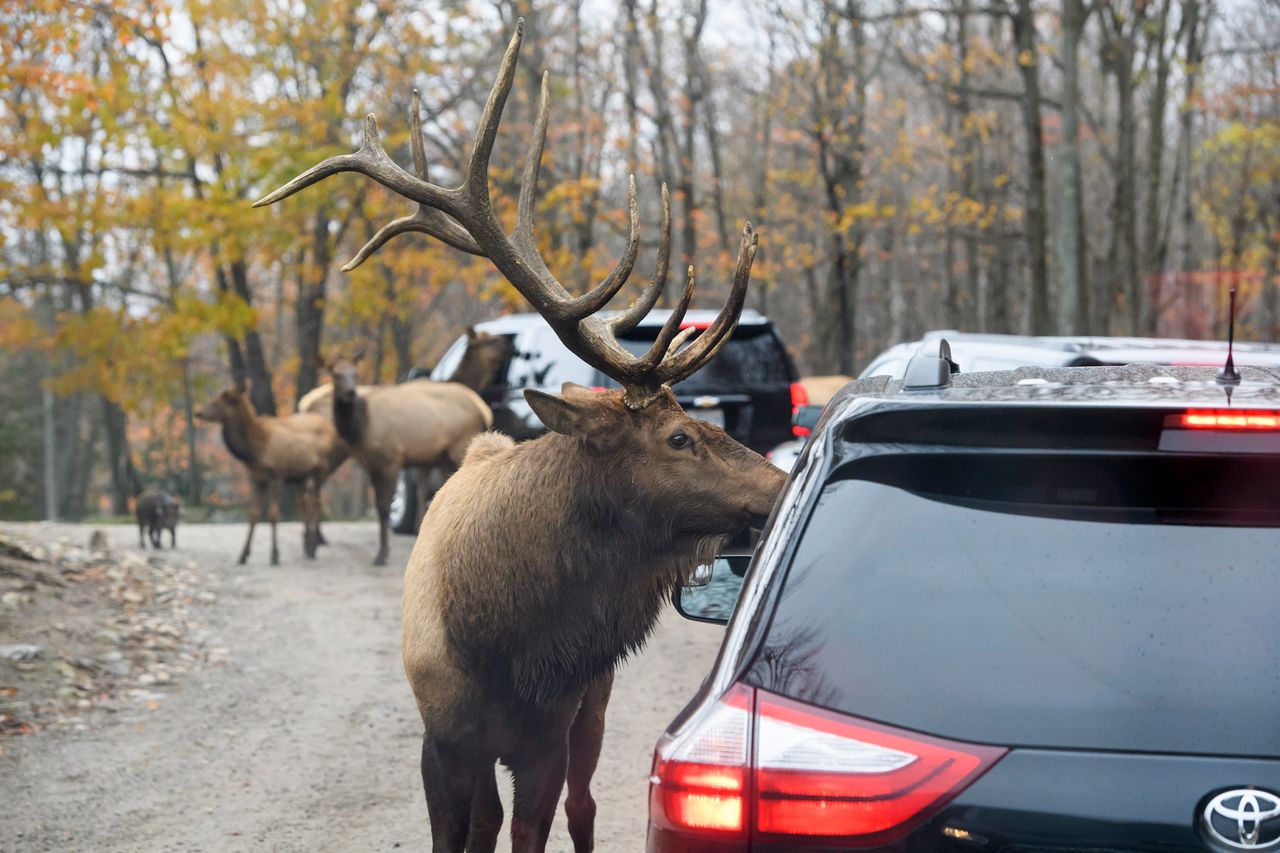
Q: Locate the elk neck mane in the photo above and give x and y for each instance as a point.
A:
(351, 419)
(588, 565)
(239, 434)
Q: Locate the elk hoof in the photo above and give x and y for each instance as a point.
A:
(380, 560)
(244, 558)
(275, 559)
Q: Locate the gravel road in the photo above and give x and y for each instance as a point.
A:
(306, 738)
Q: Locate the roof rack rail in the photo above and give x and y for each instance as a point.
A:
(926, 371)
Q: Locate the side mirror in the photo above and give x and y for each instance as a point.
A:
(807, 416)
(712, 590)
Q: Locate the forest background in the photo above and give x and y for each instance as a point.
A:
(1040, 166)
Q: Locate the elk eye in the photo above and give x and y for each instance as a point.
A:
(679, 441)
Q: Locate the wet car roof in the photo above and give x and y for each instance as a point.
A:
(1135, 384)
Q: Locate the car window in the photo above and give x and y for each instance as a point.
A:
(753, 356)
(1034, 602)
(543, 361)
(893, 367)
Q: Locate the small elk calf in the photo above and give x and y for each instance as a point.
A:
(157, 511)
(300, 449)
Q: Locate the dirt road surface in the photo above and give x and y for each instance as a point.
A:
(306, 738)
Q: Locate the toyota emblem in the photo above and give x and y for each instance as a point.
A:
(1244, 819)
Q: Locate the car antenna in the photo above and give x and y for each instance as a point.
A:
(1228, 375)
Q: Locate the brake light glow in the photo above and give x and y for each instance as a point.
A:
(799, 397)
(813, 776)
(823, 774)
(1226, 420)
(695, 324)
(699, 780)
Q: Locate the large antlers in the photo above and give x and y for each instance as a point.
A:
(463, 217)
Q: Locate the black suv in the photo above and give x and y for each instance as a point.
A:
(1032, 611)
(749, 388)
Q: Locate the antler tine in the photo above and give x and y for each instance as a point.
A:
(415, 138)
(425, 220)
(522, 237)
(372, 161)
(599, 296)
(477, 183)
(630, 318)
(667, 334)
(702, 350)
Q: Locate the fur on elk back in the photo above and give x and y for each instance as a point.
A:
(564, 610)
(421, 418)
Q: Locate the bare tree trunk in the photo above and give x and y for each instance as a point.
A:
(693, 95)
(311, 303)
(1073, 314)
(1024, 32)
(1153, 231)
(124, 477)
(50, 455)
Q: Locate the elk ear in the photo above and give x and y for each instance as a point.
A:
(574, 412)
(240, 387)
(471, 333)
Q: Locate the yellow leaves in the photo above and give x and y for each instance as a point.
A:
(1026, 58)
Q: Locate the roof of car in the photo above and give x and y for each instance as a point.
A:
(1126, 385)
(512, 323)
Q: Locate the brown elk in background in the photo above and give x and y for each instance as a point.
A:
(299, 449)
(418, 424)
(157, 511)
(541, 565)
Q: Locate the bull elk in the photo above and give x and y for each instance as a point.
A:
(418, 424)
(541, 565)
(300, 449)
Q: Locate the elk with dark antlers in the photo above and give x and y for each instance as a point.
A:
(541, 565)
(301, 449)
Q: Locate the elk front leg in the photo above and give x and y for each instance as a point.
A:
(384, 488)
(256, 495)
(449, 783)
(273, 515)
(585, 738)
(142, 541)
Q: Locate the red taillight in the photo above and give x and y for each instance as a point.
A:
(823, 774)
(1225, 419)
(799, 397)
(699, 781)
(812, 775)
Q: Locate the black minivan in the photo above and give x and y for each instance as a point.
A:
(749, 388)
(1032, 611)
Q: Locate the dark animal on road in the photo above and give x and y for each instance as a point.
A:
(299, 449)
(157, 511)
(540, 566)
(418, 424)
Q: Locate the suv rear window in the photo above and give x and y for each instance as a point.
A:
(1118, 602)
(753, 356)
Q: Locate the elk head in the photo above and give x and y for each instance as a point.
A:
(227, 406)
(691, 474)
(721, 480)
(344, 367)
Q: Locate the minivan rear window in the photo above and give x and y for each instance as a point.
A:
(1053, 603)
(752, 357)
